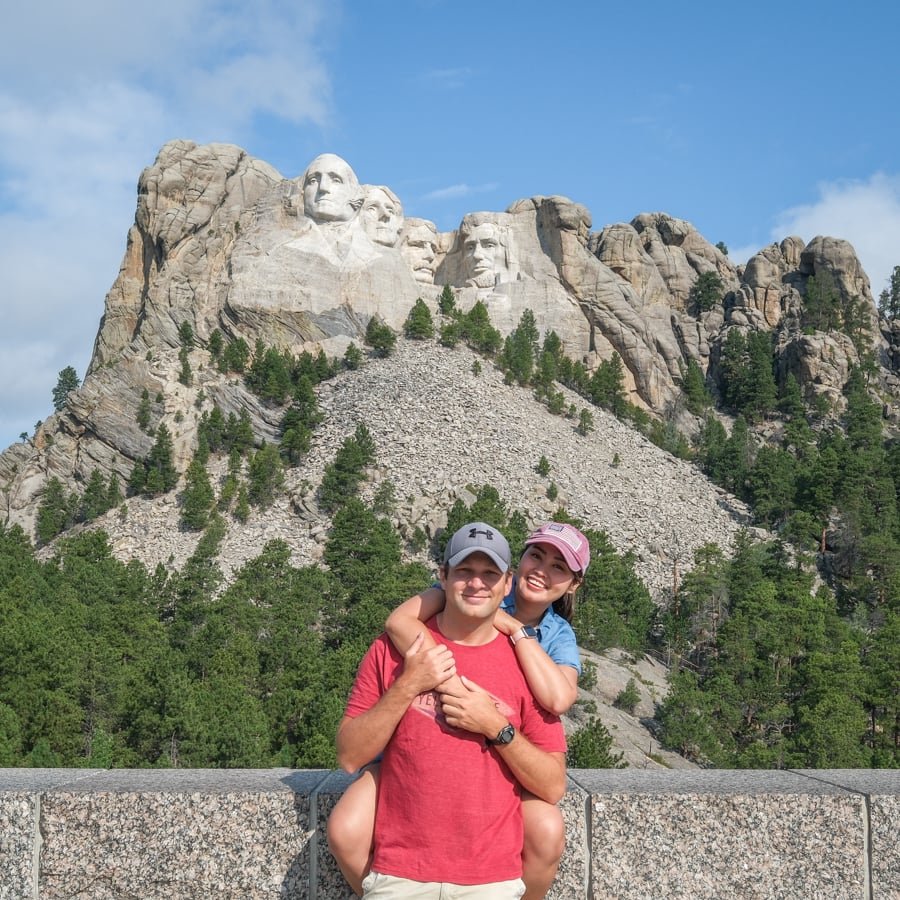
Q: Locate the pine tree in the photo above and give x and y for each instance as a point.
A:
(706, 292)
(242, 507)
(216, 343)
(265, 475)
(66, 381)
(520, 349)
(591, 747)
(629, 697)
(447, 301)
(352, 357)
(822, 303)
(607, 386)
(693, 383)
(95, 499)
(476, 329)
(380, 337)
(419, 324)
(161, 475)
(198, 497)
(889, 300)
(585, 423)
(54, 513)
(239, 432)
(113, 491)
(143, 412)
(235, 356)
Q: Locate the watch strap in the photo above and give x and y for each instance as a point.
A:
(526, 631)
(504, 736)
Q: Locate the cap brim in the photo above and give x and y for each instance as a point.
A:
(457, 558)
(568, 554)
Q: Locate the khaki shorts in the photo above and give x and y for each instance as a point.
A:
(388, 887)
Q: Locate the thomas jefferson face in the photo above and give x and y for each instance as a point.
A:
(382, 217)
(419, 250)
(329, 190)
(484, 255)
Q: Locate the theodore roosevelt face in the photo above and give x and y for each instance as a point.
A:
(419, 249)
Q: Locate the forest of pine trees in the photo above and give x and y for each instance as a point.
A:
(783, 653)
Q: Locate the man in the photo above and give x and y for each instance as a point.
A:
(455, 759)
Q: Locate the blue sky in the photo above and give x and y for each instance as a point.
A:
(752, 121)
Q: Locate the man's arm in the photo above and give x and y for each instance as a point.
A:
(541, 772)
(361, 738)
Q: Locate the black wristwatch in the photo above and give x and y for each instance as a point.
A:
(505, 736)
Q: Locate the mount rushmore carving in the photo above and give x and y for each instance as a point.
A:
(223, 241)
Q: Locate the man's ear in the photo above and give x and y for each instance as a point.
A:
(509, 578)
(442, 574)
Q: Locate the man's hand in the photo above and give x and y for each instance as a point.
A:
(424, 670)
(471, 708)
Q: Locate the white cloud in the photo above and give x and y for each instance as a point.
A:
(454, 190)
(89, 92)
(865, 213)
(460, 190)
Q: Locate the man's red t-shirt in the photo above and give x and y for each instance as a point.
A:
(448, 807)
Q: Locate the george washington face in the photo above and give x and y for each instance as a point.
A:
(330, 190)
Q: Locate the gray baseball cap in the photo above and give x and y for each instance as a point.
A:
(477, 537)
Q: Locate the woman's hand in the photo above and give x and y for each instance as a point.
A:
(505, 623)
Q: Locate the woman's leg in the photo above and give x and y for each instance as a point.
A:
(351, 827)
(545, 838)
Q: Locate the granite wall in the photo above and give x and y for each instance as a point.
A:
(109, 835)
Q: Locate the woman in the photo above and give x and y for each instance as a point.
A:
(536, 617)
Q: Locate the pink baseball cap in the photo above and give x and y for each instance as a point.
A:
(570, 542)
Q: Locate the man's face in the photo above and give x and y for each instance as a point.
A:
(419, 251)
(381, 219)
(329, 188)
(484, 255)
(475, 588)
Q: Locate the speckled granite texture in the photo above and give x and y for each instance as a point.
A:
(714, 834)
(18, 815)
(882, 788)
(190, 834)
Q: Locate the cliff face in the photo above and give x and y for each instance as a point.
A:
(222, 241)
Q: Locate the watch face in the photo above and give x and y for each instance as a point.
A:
(529, 631)
(506, 735)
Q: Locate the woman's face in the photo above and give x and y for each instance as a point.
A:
(543, 575)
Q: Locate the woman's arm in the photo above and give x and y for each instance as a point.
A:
(406, 621)
(554, 686)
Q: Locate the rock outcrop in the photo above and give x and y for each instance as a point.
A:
(223, 242)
